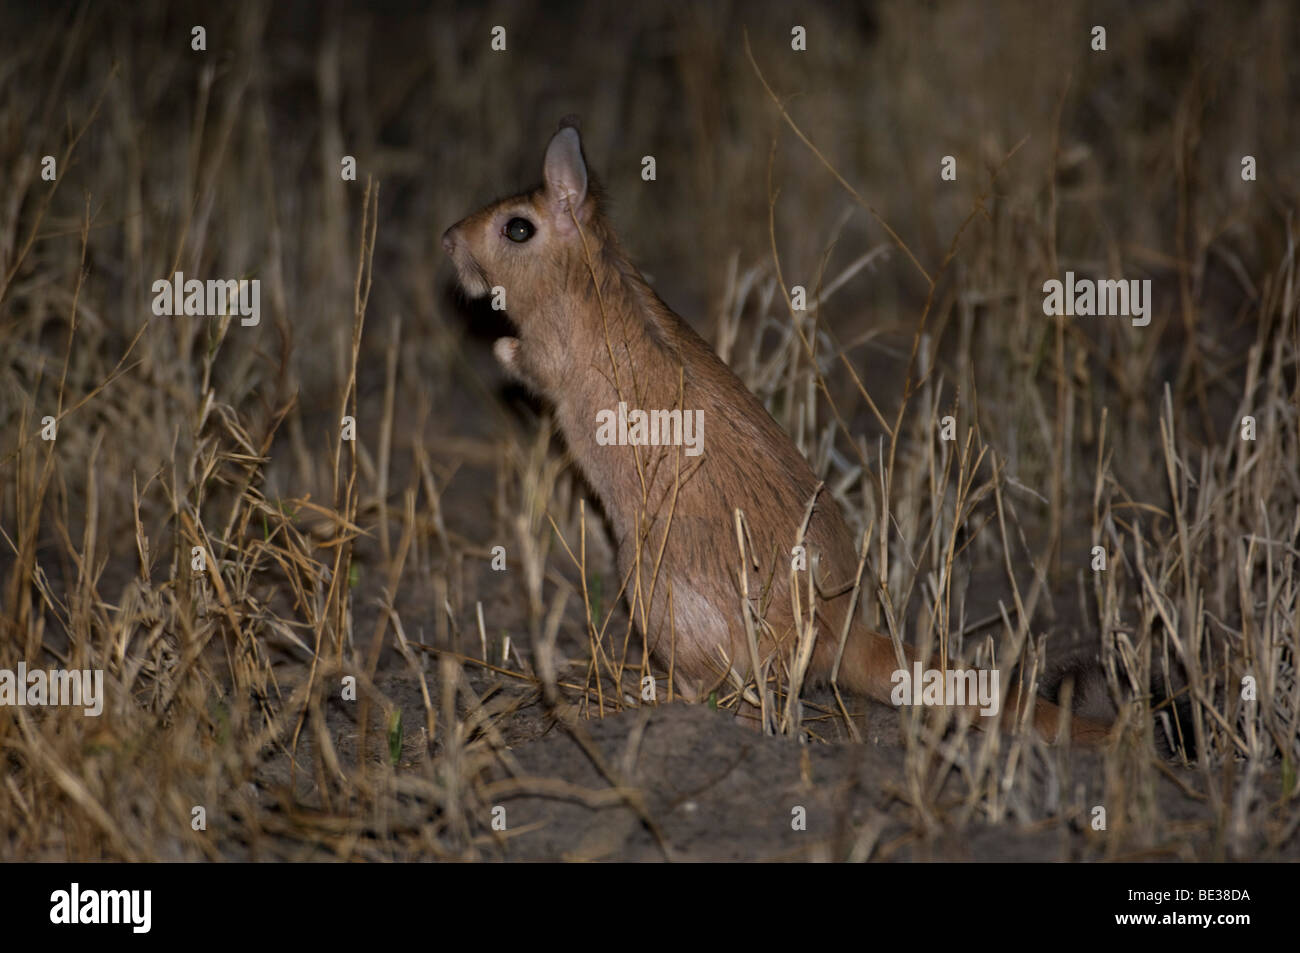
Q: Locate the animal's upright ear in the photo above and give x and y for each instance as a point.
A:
(565, 175)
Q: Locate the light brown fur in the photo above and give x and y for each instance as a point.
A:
(591, 332)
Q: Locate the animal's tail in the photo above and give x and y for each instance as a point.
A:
(869, 665)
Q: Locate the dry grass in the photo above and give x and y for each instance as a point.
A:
(328, 559)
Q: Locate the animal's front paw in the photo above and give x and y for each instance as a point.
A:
(507, 353)
(510, 356)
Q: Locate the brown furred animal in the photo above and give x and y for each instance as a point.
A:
(592, 334)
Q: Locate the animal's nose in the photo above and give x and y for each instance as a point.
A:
(449, 240)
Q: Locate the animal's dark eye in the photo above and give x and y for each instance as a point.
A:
(519, 230)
